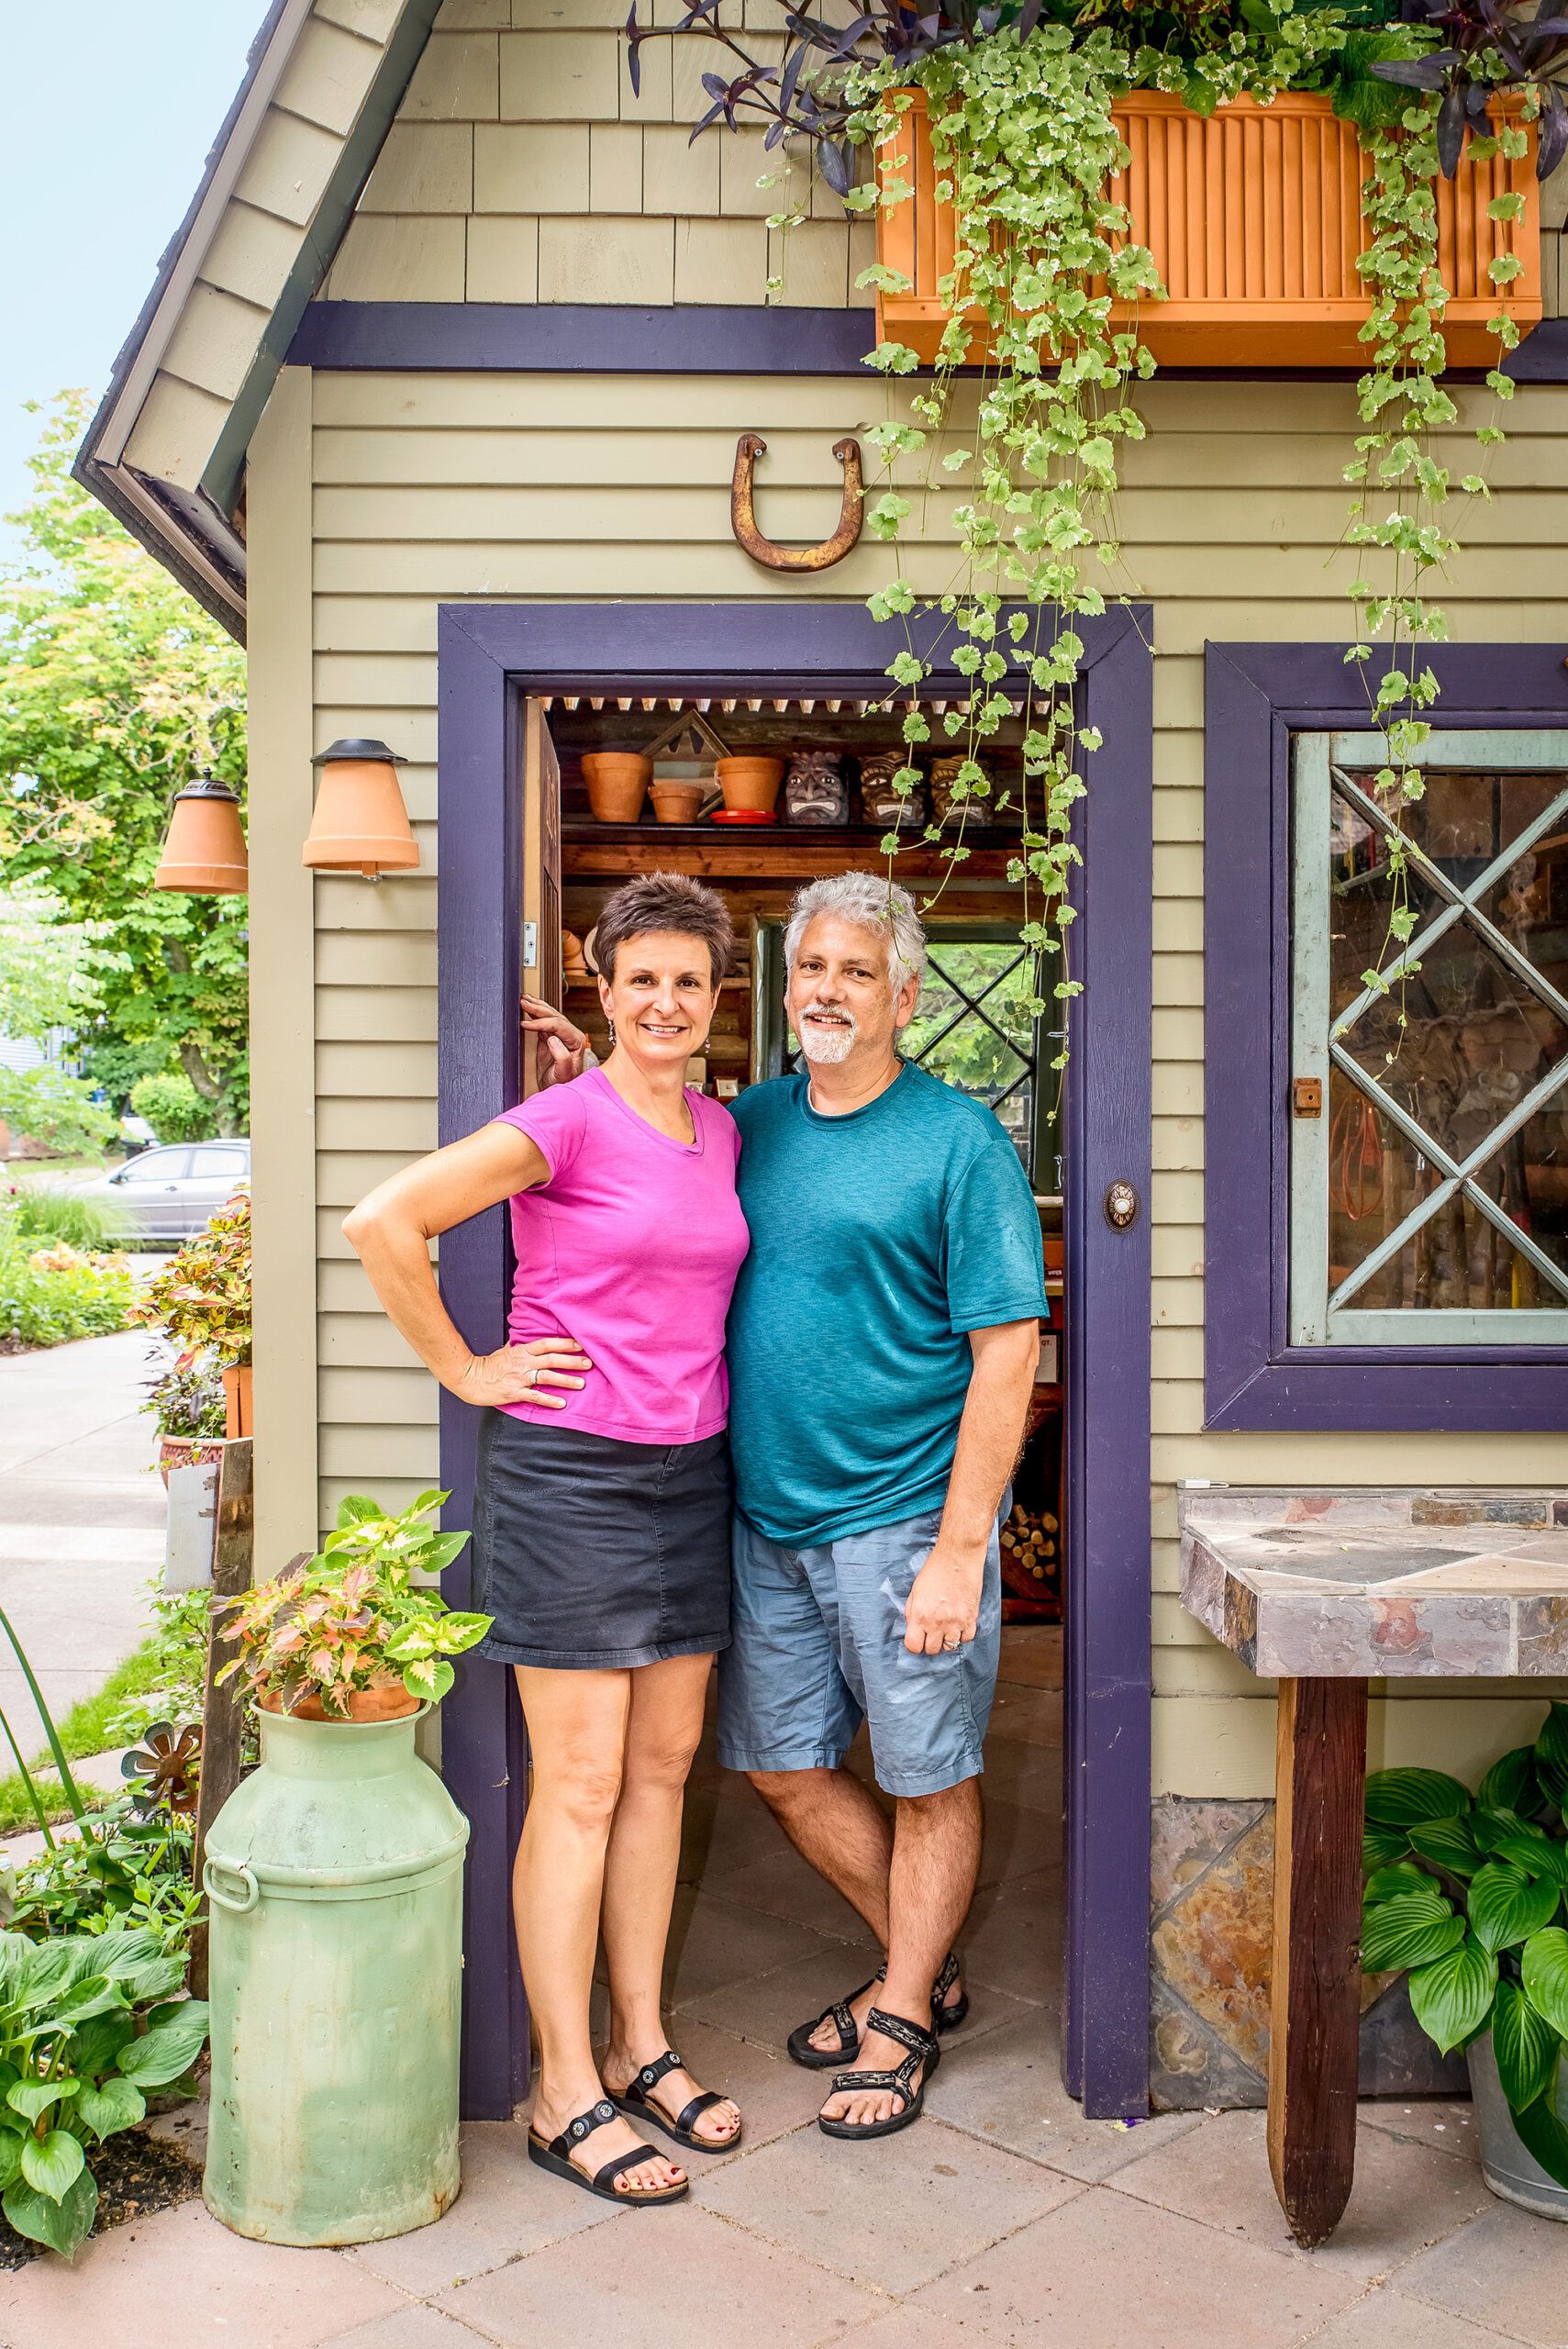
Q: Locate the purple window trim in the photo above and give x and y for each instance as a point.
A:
(698, 338)
(1257, 696)
(490, 657)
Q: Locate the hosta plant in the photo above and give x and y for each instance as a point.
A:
(1465, 1894)
(87, 2026)
(353, 1619)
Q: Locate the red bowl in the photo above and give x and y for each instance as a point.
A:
(743, 815)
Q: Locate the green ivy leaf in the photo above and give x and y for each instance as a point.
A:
(1525, 2046)
(1452, 1997)
(1506, 1907)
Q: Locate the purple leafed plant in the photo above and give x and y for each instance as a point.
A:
(790, 99)
(1490, 49)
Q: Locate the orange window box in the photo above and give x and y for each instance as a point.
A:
(1253, 218)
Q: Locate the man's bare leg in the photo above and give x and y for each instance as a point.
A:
(936, 1858)
(835, 1821)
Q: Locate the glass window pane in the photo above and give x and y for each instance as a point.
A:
(973, 1028)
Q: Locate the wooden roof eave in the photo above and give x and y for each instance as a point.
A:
(189, 526)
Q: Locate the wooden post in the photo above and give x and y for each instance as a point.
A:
(1320, 1776)
(223, 1708)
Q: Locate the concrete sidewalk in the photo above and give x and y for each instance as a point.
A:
(1002, 2221)
(80, 1520)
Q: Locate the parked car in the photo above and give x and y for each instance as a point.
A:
(170, 1191)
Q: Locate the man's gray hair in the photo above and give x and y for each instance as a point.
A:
(872, 902)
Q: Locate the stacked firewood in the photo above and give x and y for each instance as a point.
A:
(1029, 1538)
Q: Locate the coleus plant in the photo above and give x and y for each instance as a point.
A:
(353, 1619)
(87, 2025)
(1465, 1894)
(1486, 49)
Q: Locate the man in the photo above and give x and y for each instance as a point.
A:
(882, 1346)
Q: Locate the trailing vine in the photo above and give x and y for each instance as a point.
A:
(1403, 408)
(1019, 97)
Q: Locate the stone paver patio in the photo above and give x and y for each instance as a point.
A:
(1005, 2218)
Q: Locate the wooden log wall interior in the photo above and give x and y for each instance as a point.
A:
(743, 513)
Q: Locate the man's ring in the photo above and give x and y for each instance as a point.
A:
(952, 1641)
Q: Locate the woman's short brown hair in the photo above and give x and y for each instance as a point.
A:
(670, 901)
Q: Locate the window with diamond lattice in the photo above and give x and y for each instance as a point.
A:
(1429, 1195)
(975, 1029)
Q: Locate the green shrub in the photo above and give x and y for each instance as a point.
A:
(41, 1215)
(53, 1109)
(173, 1107)
(60, 1297)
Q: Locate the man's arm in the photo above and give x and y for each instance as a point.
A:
(945, 1602)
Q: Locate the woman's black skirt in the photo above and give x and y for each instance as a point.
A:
(593, 1554)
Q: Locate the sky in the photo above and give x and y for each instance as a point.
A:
(107, 110)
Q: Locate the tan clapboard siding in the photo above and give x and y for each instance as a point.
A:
(1223, 1747)
(431, 489)
(577, 189)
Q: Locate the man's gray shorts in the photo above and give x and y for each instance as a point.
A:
(819, 1646)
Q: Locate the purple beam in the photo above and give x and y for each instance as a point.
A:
(489, 656)
(1258, 695)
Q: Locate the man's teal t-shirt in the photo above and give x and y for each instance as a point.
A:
(878, 1241)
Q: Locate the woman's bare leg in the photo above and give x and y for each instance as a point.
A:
(577, 1730)
(639, 1878)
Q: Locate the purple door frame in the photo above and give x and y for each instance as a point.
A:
(491, 657)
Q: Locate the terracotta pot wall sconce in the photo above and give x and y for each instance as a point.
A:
(204, 850)
(743, 514)
(360, 824)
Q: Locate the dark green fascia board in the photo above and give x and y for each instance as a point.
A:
(224, 467)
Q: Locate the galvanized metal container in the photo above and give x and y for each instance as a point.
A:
(1509, 2166)
(335, 1878)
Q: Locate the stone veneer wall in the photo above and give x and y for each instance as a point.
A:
(1212, 1894)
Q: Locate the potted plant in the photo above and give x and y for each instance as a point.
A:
(190, 1410)
(335, 1875)
(1465, 1894)
(200, 1299)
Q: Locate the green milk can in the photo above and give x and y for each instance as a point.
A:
(334, 1874)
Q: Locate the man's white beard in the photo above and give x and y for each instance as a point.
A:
(830, 1044)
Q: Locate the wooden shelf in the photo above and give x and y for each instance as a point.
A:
(782, 852)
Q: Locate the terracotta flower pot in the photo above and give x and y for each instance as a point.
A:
(237, 1395)
(750, 782)
(618, 785)
(390, 1703)
(677, 803)
(185, 1452)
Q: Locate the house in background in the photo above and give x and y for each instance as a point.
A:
(437, 398)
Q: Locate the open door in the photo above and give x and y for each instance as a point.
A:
(542, 868)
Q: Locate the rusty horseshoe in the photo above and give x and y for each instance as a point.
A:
(743, 514)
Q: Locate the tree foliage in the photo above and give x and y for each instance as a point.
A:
(115, 689)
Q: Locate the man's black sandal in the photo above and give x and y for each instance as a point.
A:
(823, 2059)
(923, 2051)
(635, 2101)
(556, 2157)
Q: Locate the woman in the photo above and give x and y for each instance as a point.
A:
(603, 1500)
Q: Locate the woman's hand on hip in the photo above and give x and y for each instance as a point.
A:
(557, 1054)
(525, 1374)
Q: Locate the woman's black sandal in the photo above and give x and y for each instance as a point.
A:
(923, 2051)
(823, 2059)
(635, 2101)
(556, 2157)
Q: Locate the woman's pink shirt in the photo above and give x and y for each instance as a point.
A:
(631, 1247)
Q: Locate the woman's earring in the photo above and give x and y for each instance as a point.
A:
(612, 1029)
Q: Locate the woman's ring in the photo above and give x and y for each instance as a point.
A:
(531, 1375)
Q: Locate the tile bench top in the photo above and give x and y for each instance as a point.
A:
(1374, 1584)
